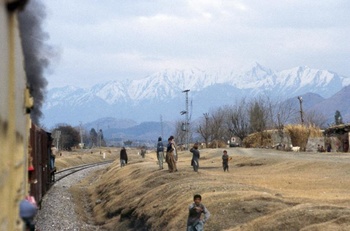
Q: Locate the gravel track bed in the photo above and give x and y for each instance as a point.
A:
(57, 209)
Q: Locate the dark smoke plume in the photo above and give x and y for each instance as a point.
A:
(35, 53)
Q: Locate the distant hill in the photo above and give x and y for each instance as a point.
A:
(162, 93)
(132, 109)
(339, 101)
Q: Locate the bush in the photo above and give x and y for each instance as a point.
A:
(299, 135)
(217, 144)
(258, 140)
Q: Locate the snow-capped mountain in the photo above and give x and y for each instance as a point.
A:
(162, 93)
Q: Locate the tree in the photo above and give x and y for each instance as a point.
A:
(100, 140)
(282, 112)
(180, 134)
(69, 138)
(203, 129)
(315, 119)
(338, 118)
(127, 143)
(238, 120)
(93, 137)
(217, 127)
(257, 116)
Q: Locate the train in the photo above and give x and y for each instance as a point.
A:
(25, 147)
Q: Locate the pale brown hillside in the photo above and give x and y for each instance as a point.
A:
(264, 190)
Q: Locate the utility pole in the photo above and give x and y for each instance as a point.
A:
(57, 136)
(81, 136)
(161, 126)
(301, 109)
(280, 127)
(187, 119)
(206, 133)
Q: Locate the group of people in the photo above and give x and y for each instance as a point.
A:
(170, 156)
(196, 155)
(322, 149)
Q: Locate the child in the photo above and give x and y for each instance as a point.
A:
(225, 159)
(194, 221)
(195, 157)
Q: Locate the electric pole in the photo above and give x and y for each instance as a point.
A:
(301, 109)
(81, 136)
(187, 119)
(161, 126)
(57, 136)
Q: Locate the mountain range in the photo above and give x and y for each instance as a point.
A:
(161, 94)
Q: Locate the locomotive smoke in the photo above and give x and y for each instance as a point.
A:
(35, 53)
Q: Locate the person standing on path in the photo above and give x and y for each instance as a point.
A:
(123, 157)
(195, 157)
(225, 159)
(170, 155)
(175, 148)
(194, 221)
(160, 152)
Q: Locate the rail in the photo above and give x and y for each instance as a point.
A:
(69, 171)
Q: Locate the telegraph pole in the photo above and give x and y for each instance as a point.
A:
(301, 109)
(161, 126)
(57, 136)
(187, 120)
(81, 136)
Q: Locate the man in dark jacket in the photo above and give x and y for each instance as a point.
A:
(123, 157)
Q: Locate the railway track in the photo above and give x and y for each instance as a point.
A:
(59, 175)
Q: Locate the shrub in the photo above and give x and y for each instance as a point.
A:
(217, 143)
(258, 140)
(299, 135)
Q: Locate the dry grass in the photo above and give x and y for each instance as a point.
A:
(260, 139)
(217, 144)
(257, 194)
(299, 135)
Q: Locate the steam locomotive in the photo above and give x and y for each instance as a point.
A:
(25, 147)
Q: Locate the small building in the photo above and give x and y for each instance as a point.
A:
(337, 137)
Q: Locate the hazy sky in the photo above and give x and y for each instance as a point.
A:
(106, 40)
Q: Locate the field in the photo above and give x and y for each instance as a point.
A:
(264, 190)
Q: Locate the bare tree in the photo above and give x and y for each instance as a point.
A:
(282, 114)
(218, 128)
(180, 134)
(238, 120)
(315, 118)
(203, 129)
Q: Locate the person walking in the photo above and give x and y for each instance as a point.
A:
(170, 155)
(194, 221)
(195, 157)
(160, 152)
(175, 148)
(123, 157)
(225, 159)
